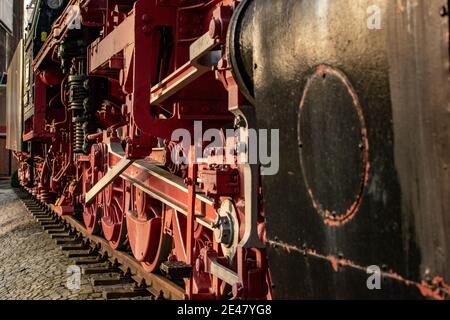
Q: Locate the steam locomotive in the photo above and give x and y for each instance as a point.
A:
(148, 120)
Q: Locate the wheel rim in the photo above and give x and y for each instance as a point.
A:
(112, 221)
(202, 281)
(92, 212)
(145, 220)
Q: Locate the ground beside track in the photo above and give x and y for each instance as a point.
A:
(32, 266)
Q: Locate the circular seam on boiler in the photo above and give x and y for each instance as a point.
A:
(331, 218)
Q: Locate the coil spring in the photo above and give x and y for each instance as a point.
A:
(77, 95)
(45, 196)
(78, 137)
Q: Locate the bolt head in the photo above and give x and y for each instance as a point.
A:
(146, 18)
(147, 29)
(188, 181)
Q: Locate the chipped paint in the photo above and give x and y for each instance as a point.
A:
(436, 289)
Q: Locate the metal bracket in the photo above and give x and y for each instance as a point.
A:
(251, 176)
(223, 273)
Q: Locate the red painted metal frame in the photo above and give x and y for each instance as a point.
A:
(126, 54)
(191, 182)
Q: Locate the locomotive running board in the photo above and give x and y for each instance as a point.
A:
(109, 177)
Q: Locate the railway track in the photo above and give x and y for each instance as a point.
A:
(114, 273)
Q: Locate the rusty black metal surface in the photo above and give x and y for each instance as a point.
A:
(333, 143)
(365, 151)
(240, 46)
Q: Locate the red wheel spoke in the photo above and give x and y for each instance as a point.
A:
(113, 222)
(145, 220)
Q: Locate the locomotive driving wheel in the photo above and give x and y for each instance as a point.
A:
(92, 173)
(113, 215)
(145, 220)
(202, 240)
(202, 281)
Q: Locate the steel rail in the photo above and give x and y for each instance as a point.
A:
(157, 285)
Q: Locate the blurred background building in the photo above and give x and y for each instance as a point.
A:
(11, 30)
